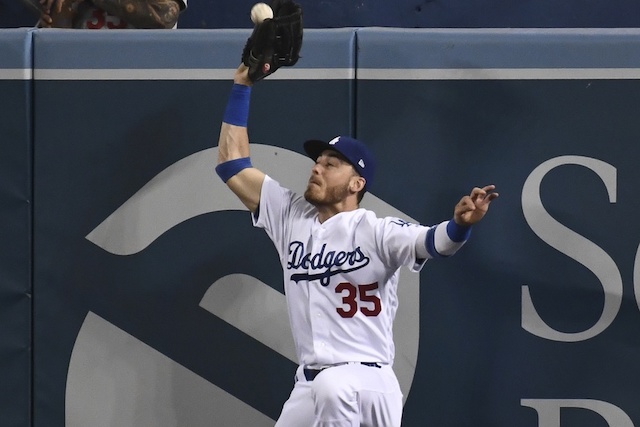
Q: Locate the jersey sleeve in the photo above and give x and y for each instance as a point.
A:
(396, 240)
(442, 242)
(274, 212)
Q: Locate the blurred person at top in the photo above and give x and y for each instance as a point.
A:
(111, 14)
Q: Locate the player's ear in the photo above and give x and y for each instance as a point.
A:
(357, 183)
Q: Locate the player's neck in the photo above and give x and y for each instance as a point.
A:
(327, 211)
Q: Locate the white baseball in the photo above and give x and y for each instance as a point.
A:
(260, 12)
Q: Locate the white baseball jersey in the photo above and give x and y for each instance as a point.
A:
(340, 276)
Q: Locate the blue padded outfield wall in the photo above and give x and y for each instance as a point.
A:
(15, 227)
(156, 303)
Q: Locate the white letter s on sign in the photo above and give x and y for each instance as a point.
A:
(573, 245)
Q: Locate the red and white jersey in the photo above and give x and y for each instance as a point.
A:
(93, 18)
(340, 276)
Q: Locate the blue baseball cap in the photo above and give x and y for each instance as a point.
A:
(355, 151)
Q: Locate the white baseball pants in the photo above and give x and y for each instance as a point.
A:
(352, 395)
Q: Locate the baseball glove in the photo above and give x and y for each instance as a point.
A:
(275, 42)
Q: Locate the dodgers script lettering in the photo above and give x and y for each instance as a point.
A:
(326, 263)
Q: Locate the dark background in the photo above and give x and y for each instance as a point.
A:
(205, 14)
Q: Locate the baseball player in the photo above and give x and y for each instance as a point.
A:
(341, 265)
(111, 14)
(340, 262)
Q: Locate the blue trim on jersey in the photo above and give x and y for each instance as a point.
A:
(228, 169)
(430, 243)
(237, 111)
(458, 233)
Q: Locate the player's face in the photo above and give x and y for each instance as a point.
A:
(330, 180)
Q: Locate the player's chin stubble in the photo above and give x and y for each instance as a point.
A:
(318, 196)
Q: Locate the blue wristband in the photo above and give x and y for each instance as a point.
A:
(237, 112)
(228, 169)
(458, 233)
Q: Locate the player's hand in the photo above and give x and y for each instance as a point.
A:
(472, 208)
(242, 76)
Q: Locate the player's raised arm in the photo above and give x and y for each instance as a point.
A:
(234, 161)
(275, 42)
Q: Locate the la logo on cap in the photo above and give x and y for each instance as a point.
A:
(334, 141)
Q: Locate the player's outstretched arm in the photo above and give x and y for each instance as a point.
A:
(447, 238)
(234, 162)
(472, 208)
